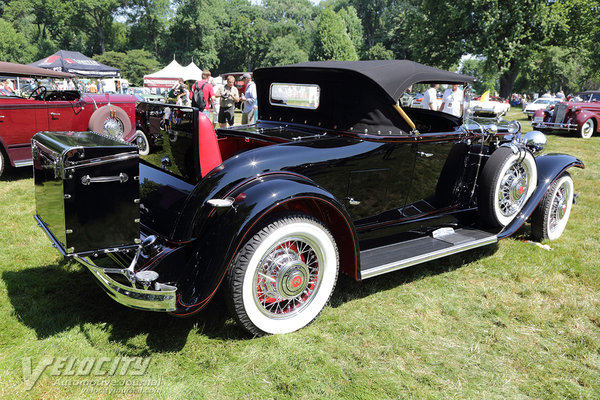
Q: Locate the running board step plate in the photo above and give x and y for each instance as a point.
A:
(396, 256)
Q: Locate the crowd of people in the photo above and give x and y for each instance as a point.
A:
(218, 100)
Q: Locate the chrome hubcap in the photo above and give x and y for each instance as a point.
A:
(559, 206)
(113, 127)
(287, 278)
(513, 189)
(141, 143)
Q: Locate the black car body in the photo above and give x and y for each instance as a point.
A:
(323, 182)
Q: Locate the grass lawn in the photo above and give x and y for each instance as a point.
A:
(511, 321)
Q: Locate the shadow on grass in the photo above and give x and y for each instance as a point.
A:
(54, 298)
(348, 289)
(12, 174)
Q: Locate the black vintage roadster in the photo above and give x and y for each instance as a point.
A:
(326, 181)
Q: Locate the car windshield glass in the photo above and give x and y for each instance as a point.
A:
(29, 85)
(447, 98)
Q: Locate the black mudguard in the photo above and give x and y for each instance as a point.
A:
(549, 168)
(226, 229)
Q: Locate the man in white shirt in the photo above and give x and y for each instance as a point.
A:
(429, 97)
(452, 101)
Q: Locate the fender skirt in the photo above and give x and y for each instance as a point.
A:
(550, 167)
(226, 229)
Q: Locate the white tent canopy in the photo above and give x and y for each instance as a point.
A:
(166, 77)
(169, 75)
(192, 73)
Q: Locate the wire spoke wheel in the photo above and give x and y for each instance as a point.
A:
(550, 218)
(508, 180)
(513, 188)
(288, 277)
(281, 279)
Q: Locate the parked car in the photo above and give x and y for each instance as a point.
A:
(581, 115)
(52, 101)
(493, 108)
(272, 212)
(541, 103)
(145, 94)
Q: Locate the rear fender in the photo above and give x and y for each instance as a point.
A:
(550, 167)
(226, 230)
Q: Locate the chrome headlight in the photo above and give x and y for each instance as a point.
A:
(514, 127)
(535, 141)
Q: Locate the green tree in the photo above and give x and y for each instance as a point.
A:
(331, 39)
(95, 18)
(197, 31)
(354, 27)
(133, 65)
(283, 51)
(148, 21)
(14, 46)
(376, 17)
(379, 52)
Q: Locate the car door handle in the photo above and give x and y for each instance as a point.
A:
(54, 115)
(423, 154)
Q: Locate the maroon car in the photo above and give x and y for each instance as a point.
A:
(46, 100)
(581, 116)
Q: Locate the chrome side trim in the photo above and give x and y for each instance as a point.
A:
(102, 160)
(26, 163)
(382, 269)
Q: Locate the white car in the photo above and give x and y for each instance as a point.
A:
(540, 104)
(494, 107)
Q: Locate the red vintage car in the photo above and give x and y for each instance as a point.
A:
(46, 100)
(581, 115)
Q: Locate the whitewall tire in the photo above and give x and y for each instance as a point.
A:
(142, 143)
(587, 129)
(507, 181)
(282, 278)
(552, 214)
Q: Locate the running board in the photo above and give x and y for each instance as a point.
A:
(442, 243)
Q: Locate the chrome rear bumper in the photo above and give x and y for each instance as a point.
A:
(161, 297)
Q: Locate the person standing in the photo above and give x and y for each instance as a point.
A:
(229, 96)
(206, 89)
(216, 103)
(249, 100)
(430, 96)
(452, 101)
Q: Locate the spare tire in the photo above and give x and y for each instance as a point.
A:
(110, 120)
(507, 182)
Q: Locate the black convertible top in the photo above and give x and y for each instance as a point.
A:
(353, 95)
(393, 76)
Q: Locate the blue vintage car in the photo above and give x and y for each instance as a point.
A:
(325, 182)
